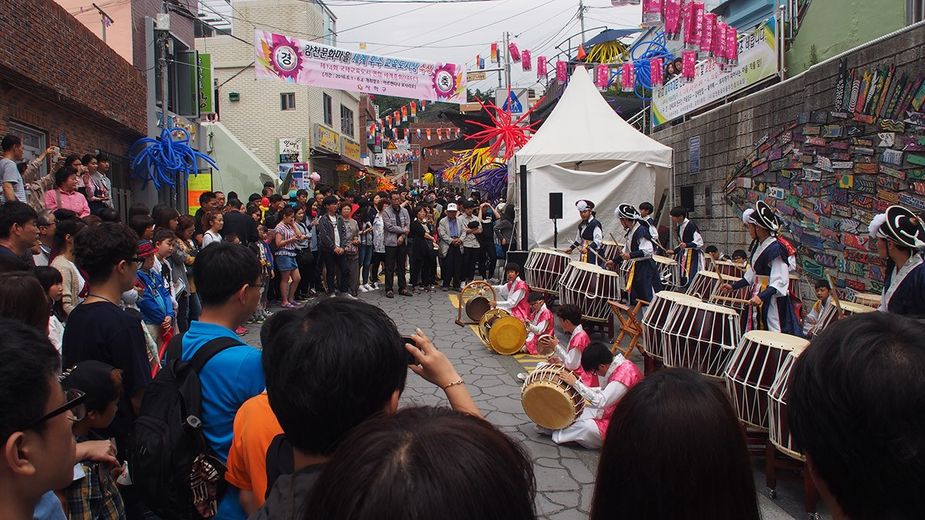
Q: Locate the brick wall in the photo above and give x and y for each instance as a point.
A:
(729, 133)
(77, 73)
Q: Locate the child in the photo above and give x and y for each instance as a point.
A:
(155, 302)
(541, 322)
(740, 257)
(53, 283)
(823, 291)
(93, 493)
(512, 296)
(714, 254)
(164, 249)
(265, 255)
(570, 356)
(615, 376)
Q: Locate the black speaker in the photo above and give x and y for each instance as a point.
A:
(518, 257)
(555, 205)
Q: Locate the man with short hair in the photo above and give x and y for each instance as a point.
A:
(206, 203)
(219, 200)
(47, 225)
(36, 420)
(271, 219)
(329, 368)
(13, 187)
(397, 223)
(102, 176)
(18, 231)
(331, 231)
(471, 228)
(856, 411)
(237, 223)
(228, 284)
(449, 231)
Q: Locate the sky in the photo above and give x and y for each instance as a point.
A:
(457, 32)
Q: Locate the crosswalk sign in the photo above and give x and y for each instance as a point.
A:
(513, 104)
(516, 101)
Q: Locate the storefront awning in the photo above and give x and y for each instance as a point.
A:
(331, 156)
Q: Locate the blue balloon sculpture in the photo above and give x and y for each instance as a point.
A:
(163, 159)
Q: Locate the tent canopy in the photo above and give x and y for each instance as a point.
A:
(583, 127)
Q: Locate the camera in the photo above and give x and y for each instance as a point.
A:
(409, 358)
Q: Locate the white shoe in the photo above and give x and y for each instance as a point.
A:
(363, 288)
(522, 377)
(348, 296)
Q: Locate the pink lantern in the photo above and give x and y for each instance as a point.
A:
(706, 34)
(515, 52)
(541, 67)
(689, 64)
(525, 60)
(719, 43)
(561, 71)
(652, 13)
(732, 47)
(673, 18)
(691, 25)
(656, 76)
(628, 77)
(602, 76)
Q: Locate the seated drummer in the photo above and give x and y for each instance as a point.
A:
(715, 255)
(541, 322)
(570, 356)
(823, 291)
(740, 258)
(512, 296)
(615, 376)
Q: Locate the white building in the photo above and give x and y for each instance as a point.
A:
(258, 114)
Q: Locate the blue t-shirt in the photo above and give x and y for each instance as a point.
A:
(227, 380)
(48, 508)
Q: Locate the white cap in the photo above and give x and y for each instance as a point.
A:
(452, 207)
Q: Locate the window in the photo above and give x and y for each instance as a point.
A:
(287, 101)
(328, 104)
(346, 121)
(33, 144)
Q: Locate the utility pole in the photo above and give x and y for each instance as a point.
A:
(105, 20)
(507, 60)
(162, 30)
(581, 17)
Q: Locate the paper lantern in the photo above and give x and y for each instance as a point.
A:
(673, 18)
(494, 52)
(689, 62)
(706, 35)
(732, 47)
(719, 43)
(525, 60)
(514, 51)
(652, 13)
(656, 76)
(541, 67)
(404, 114)
(693, 25)
(561, 71)
(414, 109)
(628, 77)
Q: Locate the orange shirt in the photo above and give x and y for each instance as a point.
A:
(255, 426)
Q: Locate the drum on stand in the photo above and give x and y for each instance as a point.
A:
(656, 319)
(590, 288)
(869, 299)
(549, 401)
(830, 314)
(544, 268)
(753, 368)
(778, 420)
(501, 332)
(704, 285)
(610, 250)
(729, 270)
(669, 272)
(702, 337)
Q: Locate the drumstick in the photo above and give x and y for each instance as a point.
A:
(719, 274)
(729, 299)
(834, 294)
(615, 241)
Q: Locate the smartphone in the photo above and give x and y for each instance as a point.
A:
(409, 358)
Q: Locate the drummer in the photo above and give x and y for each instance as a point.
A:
(768, 275)
(541, 322)
(823, 292)
(900, 238)
(688, 253)
(512, 296)
(615, 376)
(570, 356)
(642, 279)
(645, 210)
(740, 258)
(590, 235)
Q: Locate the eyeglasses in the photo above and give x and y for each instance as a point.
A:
(74, 403)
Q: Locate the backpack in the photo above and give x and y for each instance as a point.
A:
(172, 467)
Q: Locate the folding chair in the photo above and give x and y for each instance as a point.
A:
(629, 325)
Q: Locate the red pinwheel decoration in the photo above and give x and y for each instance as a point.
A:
(508, 133)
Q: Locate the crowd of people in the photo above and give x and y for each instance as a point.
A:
(104, 325)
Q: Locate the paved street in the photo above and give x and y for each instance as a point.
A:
(564, 475)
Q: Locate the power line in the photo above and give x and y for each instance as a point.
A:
(435, 29)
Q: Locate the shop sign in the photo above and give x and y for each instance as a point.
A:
(326, 139)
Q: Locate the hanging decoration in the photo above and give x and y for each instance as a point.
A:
(613, 51)
(582, 54)
(514, 51)
(692, 25)
(656, 77)
(672, 19)
(732, 47)
(509, 134)
(525, 60)
(652, 13)
(165, 160)
(491, 181)
(719, 43)
(602, 77)
(627, 78)
(404, 114)
(414, 109)
(541, 67)
(706, 35)
(494, 52)
(688, 64)
(561, 71)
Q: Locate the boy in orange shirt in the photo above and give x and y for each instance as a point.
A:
(255, 426)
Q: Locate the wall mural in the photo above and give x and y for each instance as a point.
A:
(830, 171)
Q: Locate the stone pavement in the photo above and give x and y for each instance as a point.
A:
(564, 475)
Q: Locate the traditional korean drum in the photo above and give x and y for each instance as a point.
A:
(869, 299)
(610, 250)
(477, 307)
(669, 272)
(660, 313)
(705, 284)
(544, 268)
(830, 314)
(546, 344)
(729, 270)
(549, 401)
(752, 369)
(590, 288)
(702, 337)
(501, 332)
(778, 420)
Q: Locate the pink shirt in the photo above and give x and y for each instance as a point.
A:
(74, 201)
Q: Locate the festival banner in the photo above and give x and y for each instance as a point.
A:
(306, 62)
(757, 60)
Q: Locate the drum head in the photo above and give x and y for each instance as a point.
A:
(548, 405)
(477, 307)
(546, 344)
(507, 335)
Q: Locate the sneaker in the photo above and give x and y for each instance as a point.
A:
(349, 296)
(522, 377)
(240, 331)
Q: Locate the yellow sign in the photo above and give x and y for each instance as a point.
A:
(326, 138)
(196, 185)
(390, 145)
(351, 149)
(476, 76)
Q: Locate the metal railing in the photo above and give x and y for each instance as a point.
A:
(640, 120)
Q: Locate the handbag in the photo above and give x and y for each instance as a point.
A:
(305, 256)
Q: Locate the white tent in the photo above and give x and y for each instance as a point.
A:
(584, 150)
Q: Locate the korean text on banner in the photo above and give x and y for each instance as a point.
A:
(308, 63)
(757, 51)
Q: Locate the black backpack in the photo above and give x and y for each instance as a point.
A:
(168, 439)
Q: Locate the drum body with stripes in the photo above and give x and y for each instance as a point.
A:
(549, 401)
(830, 314)
(544, 268)
(590, 288)
(654, 322)
(702, 337)
(869, 299)
(669, 272)
(778, 420)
